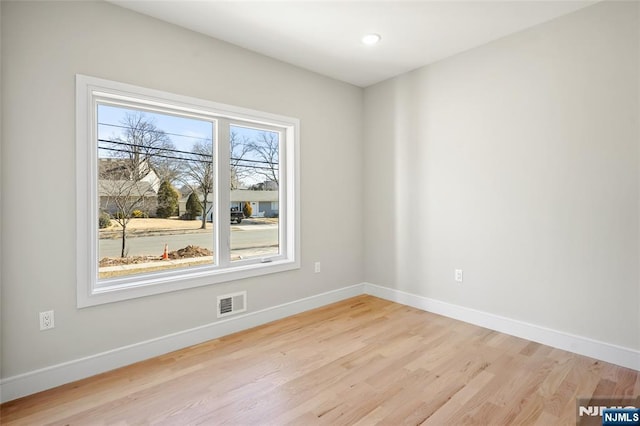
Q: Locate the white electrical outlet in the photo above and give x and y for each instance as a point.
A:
(317, 267)
(458, 275)
(46, 320)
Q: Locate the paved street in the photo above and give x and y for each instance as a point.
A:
(242, 237)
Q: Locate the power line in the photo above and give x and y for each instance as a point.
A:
(175, 151)
(153, 131)
(155, 148)
(274, 168)
(252, 161)
(155, 155)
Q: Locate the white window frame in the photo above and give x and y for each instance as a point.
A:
(92, 291)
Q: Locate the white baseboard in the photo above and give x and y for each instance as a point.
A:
(56, 375)
(613, 354)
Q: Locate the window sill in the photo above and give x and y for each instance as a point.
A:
(115, 290)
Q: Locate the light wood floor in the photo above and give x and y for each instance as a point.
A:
(361, 361)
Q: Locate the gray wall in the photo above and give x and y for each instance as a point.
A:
(518, 162)
(43, 46)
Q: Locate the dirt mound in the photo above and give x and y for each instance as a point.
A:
(183, 253)
(190, 251)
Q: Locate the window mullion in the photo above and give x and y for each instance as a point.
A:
(223, 230)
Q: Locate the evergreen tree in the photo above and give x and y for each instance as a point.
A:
(193, 206)
(167, 200)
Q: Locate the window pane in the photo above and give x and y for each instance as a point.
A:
(155, 189)
(255, 199)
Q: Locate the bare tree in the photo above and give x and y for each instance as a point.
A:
(266, 149)
(197, 174)
(239, 148)
(144, 145)
(122, 195)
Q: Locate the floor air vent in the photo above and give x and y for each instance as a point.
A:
(230, 304)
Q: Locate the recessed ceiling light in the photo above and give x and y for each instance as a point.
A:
(371, 39)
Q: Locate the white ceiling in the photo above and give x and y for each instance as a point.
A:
(324, 36)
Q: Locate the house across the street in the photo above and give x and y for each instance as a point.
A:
(121, 186)
(263, 203)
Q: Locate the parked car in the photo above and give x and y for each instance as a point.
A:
(236, 215)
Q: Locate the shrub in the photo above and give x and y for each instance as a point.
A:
(138, 214)
(247, 209)
(104, 220)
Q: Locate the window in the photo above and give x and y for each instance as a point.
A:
(176, 192)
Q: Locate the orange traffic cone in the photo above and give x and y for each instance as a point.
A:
(165, 255)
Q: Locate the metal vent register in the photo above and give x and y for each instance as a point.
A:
(230, 304)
